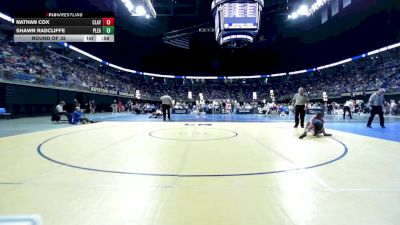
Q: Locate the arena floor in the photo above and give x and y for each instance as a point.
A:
(200, 170)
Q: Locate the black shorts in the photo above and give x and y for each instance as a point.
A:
(318, 125)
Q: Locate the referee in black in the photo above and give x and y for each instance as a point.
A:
(166, 102)
(376, 103)
(299, 102)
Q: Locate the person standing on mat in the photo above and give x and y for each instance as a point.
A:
(376, 103)
(299, 102)
(166, 102)
(347, 107)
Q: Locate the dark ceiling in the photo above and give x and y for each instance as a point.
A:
(281, 45)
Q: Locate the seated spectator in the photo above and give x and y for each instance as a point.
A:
(58, 111)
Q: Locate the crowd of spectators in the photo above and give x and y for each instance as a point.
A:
(35, 64)
(31, 64)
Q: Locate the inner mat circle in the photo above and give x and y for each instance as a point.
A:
(128, 149)
(193, 134)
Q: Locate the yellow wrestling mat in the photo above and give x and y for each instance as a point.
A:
(128, 173)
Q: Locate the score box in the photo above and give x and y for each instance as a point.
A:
(108, 30)
(64, 27)
(108, 21)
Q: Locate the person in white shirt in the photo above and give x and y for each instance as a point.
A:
(376, 103)
(166, 102)
(270, 106)
(347, 107)
(392, 107)
(59, 107)
(300, 101)
(335, 108)
(114, 107)
(58, 111)
(228, 107)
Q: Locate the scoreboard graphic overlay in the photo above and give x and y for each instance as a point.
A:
(240, 15)
(64, 27)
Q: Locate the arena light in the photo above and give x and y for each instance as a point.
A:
(297, 72)
(150, 9)
(303, 10)
(317, 5)
(144, 8)
(383, 49)
(128, 4)
(243, 77)
(278, 74)
(341, 62)
(373, 52)
(163, 76)
(140, 10)
(85, 53)
(254, 76)
(122, 68)
(322, 67)
(5, 17)
(203, 77)
(394, 46)
(158, 75)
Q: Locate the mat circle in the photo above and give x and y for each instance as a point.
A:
(42, 154)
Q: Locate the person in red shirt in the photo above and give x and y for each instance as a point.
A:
(120, 106)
